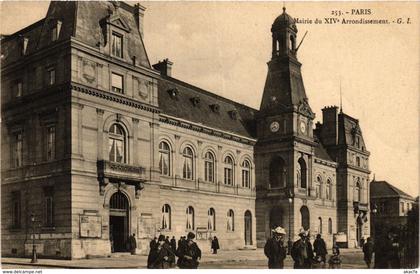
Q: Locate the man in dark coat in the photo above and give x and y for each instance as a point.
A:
(173, 244)
(368, 252)
(320, 248)
(301, 252)
(215, 245)
(160, 256)
(274, 248)
(132, 244)
(188, 253)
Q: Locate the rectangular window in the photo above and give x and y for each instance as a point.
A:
(18, 149)
(402, 207)
(245, 178)
(16, 209)
(117, 45)
(117, 83)
(18, 88)
(51, 76)
(50, 143)
(228, 176)
(49, 207)
(164, 163)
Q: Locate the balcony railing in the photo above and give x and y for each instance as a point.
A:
(108, 169)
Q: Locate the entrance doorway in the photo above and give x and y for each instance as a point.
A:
(118, 222)
(248, 228)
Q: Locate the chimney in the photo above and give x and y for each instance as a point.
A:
(329, 129)
(165, 67)
(139, 15)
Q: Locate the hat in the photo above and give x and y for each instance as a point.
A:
(279, 230)
(161, 238)
(190, 235)
(303, 232)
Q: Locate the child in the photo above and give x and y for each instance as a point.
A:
(335, 260)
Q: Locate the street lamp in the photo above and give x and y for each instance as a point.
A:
(373, 220)
(34, 258)
(289, 241)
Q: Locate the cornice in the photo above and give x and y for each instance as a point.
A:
(113, 97)
(207, 130)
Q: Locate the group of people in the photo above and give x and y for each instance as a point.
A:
(303, 253)
(386, 251)
(163, 252)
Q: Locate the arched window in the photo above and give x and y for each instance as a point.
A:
(293, 42)
(357, 190)
(246, 174)
(188, 167)
(277, 173)
(304, 214)
(164, 159)
(318, 186)
(116, 144)
(190, 218)
(319, 225)
(328, 190)
(211, 219)
(166, 217)
(329, 226)
(301, 173)
(228, 171)
(357, 161)
(230, 224)
(209, 167)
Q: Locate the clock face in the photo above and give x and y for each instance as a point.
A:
(274, 126)
(302, 127)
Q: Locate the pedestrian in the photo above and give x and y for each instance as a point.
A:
(368, 252)
(274, 248)
(167, 240)
(335, 260)
(173, 244)
(392, 249)
(132, 244)
(320, 248)
(301, 252)
(160, 255)
(381, 256)
(188, 253)
(215, 245)
(153, 243)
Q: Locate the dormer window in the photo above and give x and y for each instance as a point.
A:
(55, 31)
(195, 101)
(117, 45)
(24, 45)
(215, 108)
(173, 92)
(117, 83)
(233, 114)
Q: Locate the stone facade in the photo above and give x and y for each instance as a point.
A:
(97, 144)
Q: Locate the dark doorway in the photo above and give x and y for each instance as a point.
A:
(304, 212)
(276, 218)
(248, 228)
(118, 222)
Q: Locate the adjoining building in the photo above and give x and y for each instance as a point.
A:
(98, 144)
(390, 206)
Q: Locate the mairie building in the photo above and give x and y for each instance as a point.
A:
(97, 143)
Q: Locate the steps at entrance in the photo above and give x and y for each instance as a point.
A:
(120, 254)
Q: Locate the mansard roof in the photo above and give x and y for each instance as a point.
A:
(321, 152)
(187, 102)
(383, 189)
(349, 128)
(81, 20)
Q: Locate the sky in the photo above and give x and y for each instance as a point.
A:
(224, 47)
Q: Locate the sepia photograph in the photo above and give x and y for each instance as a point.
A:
(209, 135)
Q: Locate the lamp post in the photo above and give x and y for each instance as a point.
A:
(289, 241)
(374, 211)
(34, 258)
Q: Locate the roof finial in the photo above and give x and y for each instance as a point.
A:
(284, 7)
(374, 175)
(341, 98)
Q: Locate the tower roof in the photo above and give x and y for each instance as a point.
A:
(284, 20)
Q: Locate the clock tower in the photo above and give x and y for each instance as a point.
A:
(285, 148)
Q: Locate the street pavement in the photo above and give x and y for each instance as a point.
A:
(225, 259)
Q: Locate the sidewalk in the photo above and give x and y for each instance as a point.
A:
(140, 261)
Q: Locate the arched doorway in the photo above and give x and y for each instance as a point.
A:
(118, 222)
(276, 217)
(304, 213)
(248, 228)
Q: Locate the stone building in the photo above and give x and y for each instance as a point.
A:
(391, 206)
(98, 144)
